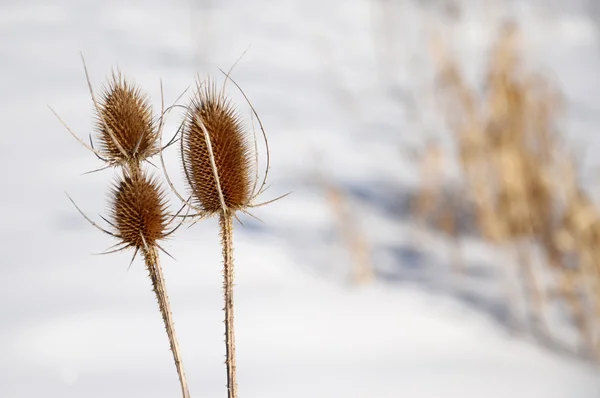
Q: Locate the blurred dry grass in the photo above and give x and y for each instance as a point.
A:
(519, 188)
(520, 182)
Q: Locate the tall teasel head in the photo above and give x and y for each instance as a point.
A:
(138, 210)
(221, 170)
(124, 123)
(213, 134)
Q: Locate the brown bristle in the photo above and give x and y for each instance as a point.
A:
(139, 209)
(126, 110)
(230, 146)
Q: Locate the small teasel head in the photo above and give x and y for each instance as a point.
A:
(139, 211)
(124, 123)
(213, 134)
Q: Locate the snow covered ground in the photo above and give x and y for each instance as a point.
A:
(335, 98)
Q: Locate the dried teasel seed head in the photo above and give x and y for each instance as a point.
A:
(139, 210)
(126, 111)
(231, 148)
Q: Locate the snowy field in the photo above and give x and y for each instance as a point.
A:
(342, 88)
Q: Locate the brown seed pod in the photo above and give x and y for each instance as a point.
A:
(139, 211)
(210, 113)
(124, 122)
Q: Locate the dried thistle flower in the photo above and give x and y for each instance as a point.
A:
(124, 122)
(125, 126)
(228, 143)
(139, 211)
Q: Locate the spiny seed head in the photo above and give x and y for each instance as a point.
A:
(230, 146)
(126, 111)
(139, 209)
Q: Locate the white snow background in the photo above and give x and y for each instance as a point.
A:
(335, 98)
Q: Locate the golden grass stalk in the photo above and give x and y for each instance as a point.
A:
(355, 240)
(579, 233)
(517, 172)
(432, 167)
(505, 139)
(429, 200)
(221, 174)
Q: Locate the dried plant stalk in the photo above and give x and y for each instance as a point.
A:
(219, 167)
(226, 225)
(217, 164)
(432, 167)
(448, 223)
(533, 291)
(160, 289)
(127, 135)
(508, 146)
(140, 216)
(140, 220)
(355, 241)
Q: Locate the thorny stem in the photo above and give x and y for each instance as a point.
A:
(226, 224)
(134, 168)
(158, 285)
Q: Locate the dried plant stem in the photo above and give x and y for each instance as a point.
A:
(534, 294)
(134, 169)
(158, 285)
(569, 290)
(226, 224)
(350, 233)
